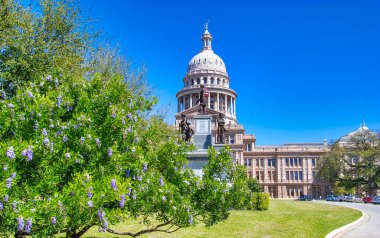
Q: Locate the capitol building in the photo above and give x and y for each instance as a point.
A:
(284, 171)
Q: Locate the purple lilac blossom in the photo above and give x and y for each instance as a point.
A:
(134, 195)
(44, 132)
(129, 116)
(30, 94)
(10, 105)
(87, 178)
(5, 167)
(77, 161)
(10, 152)
(145, 167)
(13, 175)
(113, 184)
(104, 225)
(48, 78)
(81, 140)
(129, 129)
(122, 201)
(134, 177)
(139, 178)
(28, 153)
(28, 225)
(89, 194)
(59, 101)
(123, 120)
(127, 173)
(53, 220)
(46, 141)
(8, 183)
(64, 139)
(101, 215)
(129, 191)
(6, 198)
(161, 181)
(113, 114)
(14, 205)
(190, 221)
(97, 141)
(20, 224)
(67, 155)
(110, 152)
(1, 206)
(163, 198)
(90, 204)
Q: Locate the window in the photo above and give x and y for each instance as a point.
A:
(300, 161)
(313, 162)
(301, 175)
(287, 162)
(287, 175)
(295, 162)
(248, 162)
(262, 163)
(198, 81)
(291, 162)
(291, 175)
(232, 139)
(296, 175)
(249, 147)
(257, 163)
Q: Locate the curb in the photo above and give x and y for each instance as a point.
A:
(342, 230)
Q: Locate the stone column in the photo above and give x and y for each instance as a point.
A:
(235, 106)
(179, 104)
(191, 100)
(217, 102)
(225, 103)
(209, 100)
(231, 108)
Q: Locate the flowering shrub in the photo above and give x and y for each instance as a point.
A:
(94, 158)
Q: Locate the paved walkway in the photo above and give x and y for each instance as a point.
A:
(369, 227)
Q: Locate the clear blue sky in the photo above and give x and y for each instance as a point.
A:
(303, 70)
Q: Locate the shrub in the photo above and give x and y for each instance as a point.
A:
(259, 201)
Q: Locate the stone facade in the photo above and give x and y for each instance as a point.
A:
(284, 171)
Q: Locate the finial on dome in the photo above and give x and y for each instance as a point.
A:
(206, 26)
(206, 38)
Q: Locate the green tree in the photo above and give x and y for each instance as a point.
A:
(254, 185)
(354, 165)
(39, 39)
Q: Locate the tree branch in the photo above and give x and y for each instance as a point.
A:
(84, 230)
(154, 229)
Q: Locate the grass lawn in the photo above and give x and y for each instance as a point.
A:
(283, 219)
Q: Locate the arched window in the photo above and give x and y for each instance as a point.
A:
(192, 82)
(198, 80)
(212, 80)
(218, 81)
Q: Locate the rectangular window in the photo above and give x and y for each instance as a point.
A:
(269, 162)
(313, 162)
(257, 163)
(291, 162)
(300, 161)
(249, 147)
(295, 162)
(296, 175)
(287, 175)
(261, 163)
(287, 162)
(291, 175)
(232, 139)
(273, 163)
(245, 162)
(301, 175)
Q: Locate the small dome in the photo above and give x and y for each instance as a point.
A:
(206, 60)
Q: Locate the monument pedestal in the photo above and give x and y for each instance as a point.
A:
(202, 139)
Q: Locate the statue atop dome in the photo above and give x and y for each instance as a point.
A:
(206, 26)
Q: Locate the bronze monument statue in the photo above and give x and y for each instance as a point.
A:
(221, 129)
(202, 100)
(186, 131)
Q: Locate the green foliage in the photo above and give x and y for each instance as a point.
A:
(259, 201)
(355, 165)
(36, 41)
(254, 186)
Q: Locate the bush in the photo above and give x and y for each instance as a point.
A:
(259, 201)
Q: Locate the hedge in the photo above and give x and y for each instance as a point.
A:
(259, 201)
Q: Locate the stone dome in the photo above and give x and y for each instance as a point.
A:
(206, 61)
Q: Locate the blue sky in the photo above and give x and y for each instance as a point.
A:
(303, 70)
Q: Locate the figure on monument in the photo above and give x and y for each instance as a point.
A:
(202, 100)
(186, 131)
(221, 129)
